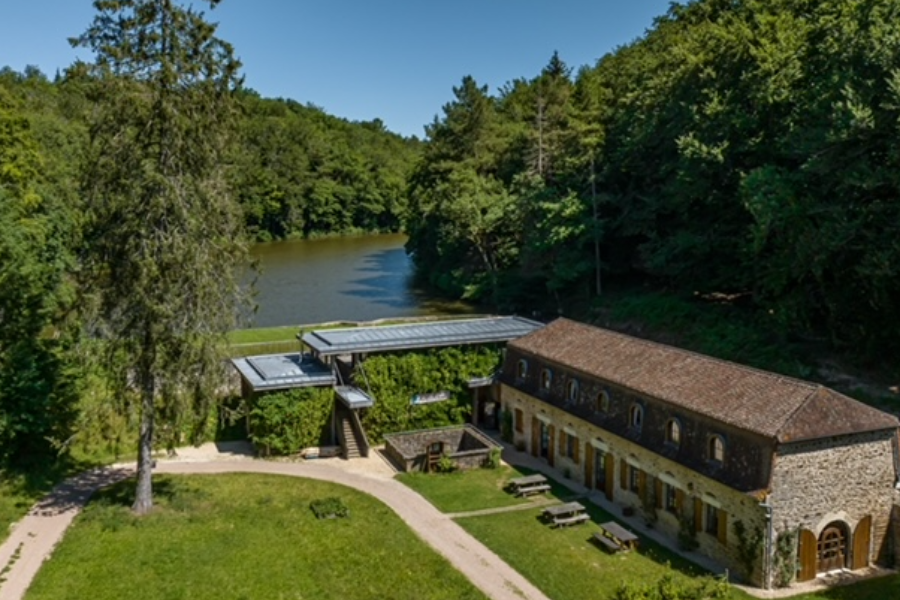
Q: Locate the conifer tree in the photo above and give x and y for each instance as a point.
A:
(163, 243)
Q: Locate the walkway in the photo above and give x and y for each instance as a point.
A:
(37, 534)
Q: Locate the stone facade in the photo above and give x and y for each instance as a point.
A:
(720, 456)
(467, 446)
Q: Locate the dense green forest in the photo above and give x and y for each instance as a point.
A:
(744, 149)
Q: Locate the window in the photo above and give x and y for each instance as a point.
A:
(521, 369)
(636, 416)
(711, 520)
(673, 432)
(602, 402)
(634, 479)
(546, 379)
(520, 427)
(670, 498)
(717, 449)
(572, 390)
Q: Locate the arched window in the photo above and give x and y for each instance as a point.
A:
(602, 402)
(673, 432)
(636, 416)
(521, 369)
(546, 379)
(717, 449)
(572, 390)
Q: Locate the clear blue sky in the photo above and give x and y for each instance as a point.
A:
(397, 60)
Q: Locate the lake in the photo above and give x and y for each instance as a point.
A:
(358, 278)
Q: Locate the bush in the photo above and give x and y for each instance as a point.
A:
(329, 508)
(671, 588)
(445, 464)
(494, 458)
(285, 423)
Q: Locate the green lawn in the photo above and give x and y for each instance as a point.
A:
(564, 563)
(244, 536)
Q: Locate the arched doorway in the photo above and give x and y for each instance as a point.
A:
(832, 547)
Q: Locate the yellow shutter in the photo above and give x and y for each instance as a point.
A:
(610, 476)
(535, 436)
(861, 541)
(659, 493)
(623, 474)
(679, 501)
(577, 457)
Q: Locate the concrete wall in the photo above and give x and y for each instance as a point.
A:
(738, 506)
(467, 446)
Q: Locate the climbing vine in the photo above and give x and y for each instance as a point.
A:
(393, 381)
(749, 546)
(785, 557)
(287, 422)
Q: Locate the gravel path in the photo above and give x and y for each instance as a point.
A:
(35, 537)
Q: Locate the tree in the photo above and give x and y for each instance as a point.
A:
(163, 241)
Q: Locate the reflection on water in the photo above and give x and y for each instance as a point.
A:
(339, 279)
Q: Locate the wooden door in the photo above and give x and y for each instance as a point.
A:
(808, 555)
(832, 549)
(588, 466)
(861, 542)
(610, 464)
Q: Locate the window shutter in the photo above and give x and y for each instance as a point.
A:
(562, 443)
(809, 555)
(610, 476)
(698, 515)
(722, 529)
(659, 493)
(623, 474)
(861, 540)
(642, 485)
(535, 436)
(577, 458)
(679, 501)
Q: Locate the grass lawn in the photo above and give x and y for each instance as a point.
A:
(243, 536)
(564, 563)
(465, 491)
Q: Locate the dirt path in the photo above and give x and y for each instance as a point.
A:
(37, 534)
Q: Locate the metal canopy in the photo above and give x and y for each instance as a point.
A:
(361, 340)
(353, 397)
(283, 371)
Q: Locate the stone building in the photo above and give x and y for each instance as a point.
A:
(775, 478)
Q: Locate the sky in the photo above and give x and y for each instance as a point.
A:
(396, 60)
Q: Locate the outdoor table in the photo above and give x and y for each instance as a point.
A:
(569, 513)
(619, 534)
(529, 484)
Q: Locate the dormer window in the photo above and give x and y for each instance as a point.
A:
(521, 369)
(717, 449)
(673, 432)
(603, 402)
(636, 417)
(572, 390)
(546, 379)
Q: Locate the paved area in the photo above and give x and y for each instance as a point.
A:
(35, 537)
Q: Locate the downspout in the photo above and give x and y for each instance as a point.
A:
(770, 534)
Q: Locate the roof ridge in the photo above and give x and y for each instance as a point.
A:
(812, 386)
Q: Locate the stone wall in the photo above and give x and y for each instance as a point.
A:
(842, 479)
(466, 445)
(738, 506)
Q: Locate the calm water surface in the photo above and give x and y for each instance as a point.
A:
(340, 279)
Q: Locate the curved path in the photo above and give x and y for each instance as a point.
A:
(35, 536)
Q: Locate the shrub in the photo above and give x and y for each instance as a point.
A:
(285, 423)
(493, 459)
(329, 508)
(445, 464)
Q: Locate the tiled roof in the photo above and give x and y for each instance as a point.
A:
(765, 403)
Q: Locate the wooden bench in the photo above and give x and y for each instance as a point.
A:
(533, 489)
(607, 542)
(573, 520)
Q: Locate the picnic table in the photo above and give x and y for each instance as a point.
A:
(570, 513)
(616, 538)
(530, 484)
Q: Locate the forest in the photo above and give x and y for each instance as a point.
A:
(742, 150)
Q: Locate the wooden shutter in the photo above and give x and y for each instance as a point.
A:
(642, 485)
(562, 443)
(589, 467)
(698, 515)
(551, 447)
(809, 555)
(861, 542)
(623, 474)
(659, 493)
(679, 501)
(722, 528)
(610, 476)
(577, 458)
(535, 437)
